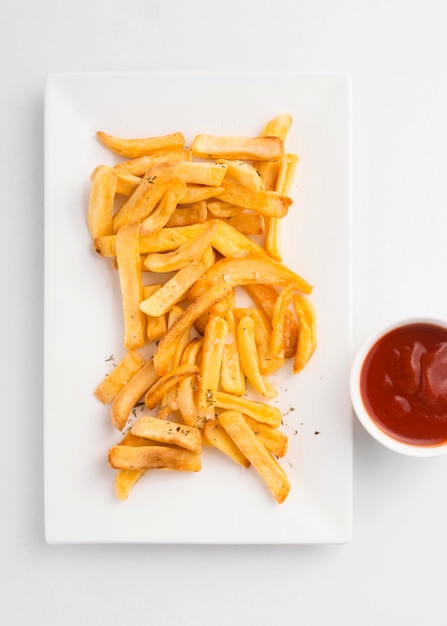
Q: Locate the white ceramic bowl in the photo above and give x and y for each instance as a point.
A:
(360, 409)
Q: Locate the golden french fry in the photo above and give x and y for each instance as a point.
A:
(251, 269)
(101, 202)
(248, 223)
(187, 387)
(202, 173)
(231, 243)
(232, 379)
(307, 333)
(267, 203)
(165, 208)
(274, 440)
(243, 173)
(140, 165)
(269, 469)
(112, 384)
(184, 215)
(131, 393)
(214, 435)
(146, 196)
(283, 301)
(165, 431)
(198, 193)
(126, 183)
(174, 290)
(269, 361)
(184, 254)
(169, 238)
(221, 209)
(249, 358)
(166, 347)
(134, 148)
(216, 331)
(154, 457)
(217, 147)
(259, 411)
(155, 326)
(129, 268)
(166, 382)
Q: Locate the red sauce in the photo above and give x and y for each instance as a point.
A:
(404, 384)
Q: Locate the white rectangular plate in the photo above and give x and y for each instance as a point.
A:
(83, 324)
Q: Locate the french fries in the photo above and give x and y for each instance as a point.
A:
(186, 228)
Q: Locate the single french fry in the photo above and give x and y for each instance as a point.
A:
(112, 384)
(221, 209)
(166, 382)
(198, 193)
(214, 435)
(269, 361)
(169, 238)
(154, 457)
(283, 301)
(202, 173)
(174, 290)
(251, 269)
(184, 254)
(273, 439)
(248, 223)
(134, 148)
(184, 215)
(131, 393)
(155, 326)
(218, 147)
(232, 377)
(158, 218)
(231, 243)
(101, 202)
(187, 387)
(267, 203)
(169, 432)
(126, 183)
(259, 411)
(243, 173)
(140, 165)
(146, 196)
(216, 331)
(249, 358)
(129, 268)
(269, 469)
(166, 347)
(307, 331)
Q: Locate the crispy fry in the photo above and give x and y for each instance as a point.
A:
(216, 436)
(140, 165)
(232, 377)
(112, 384)
(184, 215)
(198, 193)
(251, 269)
(273, 439)
(269, 361)
(231, 243)
(271, 472)
(187, 387)
(249, 358)
(243, 173)
(258, 148)
(154, 457)
(129, 268)
(278, 344)
(202, 173)
(259, 411)
(126, 479)
(219, 208)
(101, 202)
(155, 326)
(134, 148)
(165, 431)
(131, 393)
(248, 223)
(216, 331)
(307, 333)
(267, 203)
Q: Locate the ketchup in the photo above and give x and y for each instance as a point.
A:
(404, 384)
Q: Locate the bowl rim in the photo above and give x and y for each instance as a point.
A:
(356, 397)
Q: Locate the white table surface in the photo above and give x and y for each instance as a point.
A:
(393, 571)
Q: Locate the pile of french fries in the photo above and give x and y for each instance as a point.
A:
(189, 229)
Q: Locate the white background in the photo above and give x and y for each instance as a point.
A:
(394, 569)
